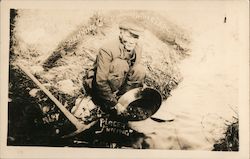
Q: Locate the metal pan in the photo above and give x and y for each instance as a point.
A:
(140, 103)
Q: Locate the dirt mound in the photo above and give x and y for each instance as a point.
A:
(163, 48)
(59, 49)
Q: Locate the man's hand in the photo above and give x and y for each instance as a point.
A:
(120, 108)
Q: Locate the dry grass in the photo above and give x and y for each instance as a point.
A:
(68, 50)
(76, 53)
(230, 141)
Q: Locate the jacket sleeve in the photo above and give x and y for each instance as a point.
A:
(138, 50)
(103, 62)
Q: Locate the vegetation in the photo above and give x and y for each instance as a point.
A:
(33, 118)
(230, 141)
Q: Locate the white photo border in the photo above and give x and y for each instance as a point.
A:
(49, 152)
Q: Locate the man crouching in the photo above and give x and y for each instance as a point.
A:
(117, 68)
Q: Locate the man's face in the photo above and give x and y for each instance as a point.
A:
(129, 40)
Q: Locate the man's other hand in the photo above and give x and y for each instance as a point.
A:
(120, 108)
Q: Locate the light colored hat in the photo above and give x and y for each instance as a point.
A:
(132, 27)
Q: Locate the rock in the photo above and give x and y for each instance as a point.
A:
(82, 107)
(45, 109)
(66, 86)
(34, 92)
(36, 69)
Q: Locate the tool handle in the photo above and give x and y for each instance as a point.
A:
(65, 111)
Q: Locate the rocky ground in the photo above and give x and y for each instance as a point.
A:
(174, 66)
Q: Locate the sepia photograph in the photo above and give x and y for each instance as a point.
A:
(166, 76)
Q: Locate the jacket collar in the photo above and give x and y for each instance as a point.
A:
(124, 54)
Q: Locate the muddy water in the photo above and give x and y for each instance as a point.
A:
(207, 98)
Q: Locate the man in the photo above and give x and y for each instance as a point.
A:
(117, 68)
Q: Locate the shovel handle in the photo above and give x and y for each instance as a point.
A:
(65, 111)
